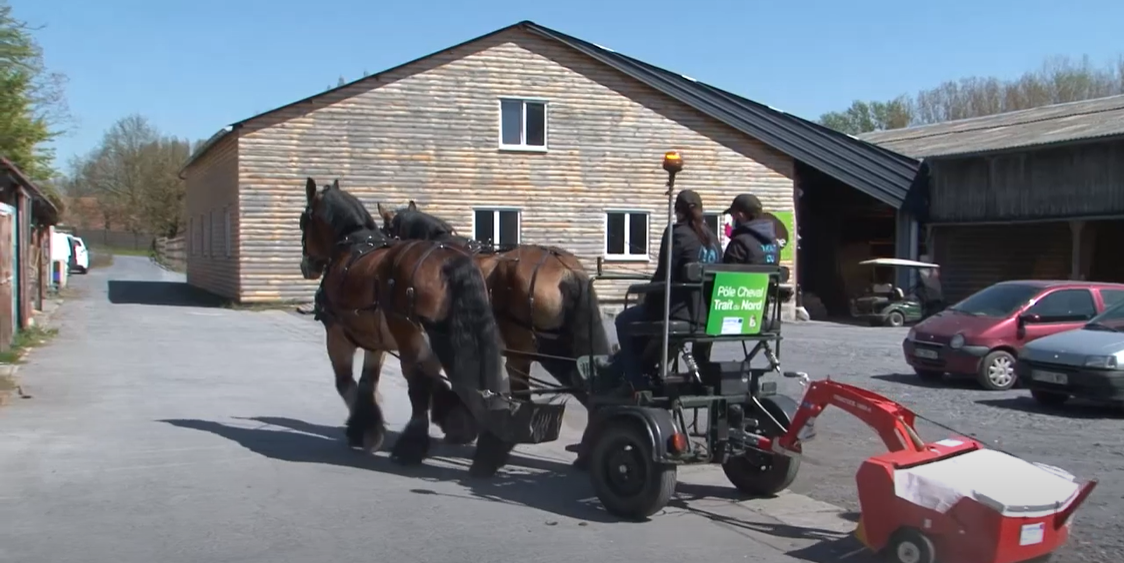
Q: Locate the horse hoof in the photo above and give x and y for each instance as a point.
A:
(459, 426)
(483, 470)
(372, 440)
(410, 450)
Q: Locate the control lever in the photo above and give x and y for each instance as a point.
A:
(803, 377)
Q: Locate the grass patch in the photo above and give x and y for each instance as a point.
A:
(25, 340)
(100, 259)
(122, 251)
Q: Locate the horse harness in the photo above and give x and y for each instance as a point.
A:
(360, 247)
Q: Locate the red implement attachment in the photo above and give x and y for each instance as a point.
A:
(953, 499)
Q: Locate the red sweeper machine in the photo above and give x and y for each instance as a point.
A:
(954, 500)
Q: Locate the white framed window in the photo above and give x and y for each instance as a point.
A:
(226, 229)
(497, 226)
(626, 235)
(523, 124)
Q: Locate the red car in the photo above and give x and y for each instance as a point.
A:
(981, 336)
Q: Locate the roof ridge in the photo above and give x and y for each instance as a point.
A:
(923, 134)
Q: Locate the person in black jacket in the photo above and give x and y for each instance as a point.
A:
(753, 240)
(692, 241)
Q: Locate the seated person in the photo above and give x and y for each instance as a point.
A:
(692, 241)
(753, 240)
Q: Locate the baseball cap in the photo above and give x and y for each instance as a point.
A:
(688, 198)
(746, 203)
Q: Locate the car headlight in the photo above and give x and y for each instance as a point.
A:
(1103, 362)
(912, 334)
(956, 342)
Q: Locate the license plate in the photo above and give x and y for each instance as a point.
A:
(927, 354)
(1049, 376)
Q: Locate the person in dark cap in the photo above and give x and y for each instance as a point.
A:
(753, 240)
(691, 241)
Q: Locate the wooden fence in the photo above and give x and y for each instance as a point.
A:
(169, 252)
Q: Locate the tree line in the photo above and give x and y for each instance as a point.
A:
(1059, 80)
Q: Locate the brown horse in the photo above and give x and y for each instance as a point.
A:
(426, 300)
(541, 295)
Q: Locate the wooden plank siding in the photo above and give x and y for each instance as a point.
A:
(212, 189)
(430, 132)
(1050, 183)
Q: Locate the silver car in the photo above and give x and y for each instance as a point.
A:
(1087, 362)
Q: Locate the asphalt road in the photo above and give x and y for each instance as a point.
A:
(162, 430)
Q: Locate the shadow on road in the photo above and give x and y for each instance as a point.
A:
(829, 546)
(173, 294)
(914, 381)
(1073, 409)
(549, 486)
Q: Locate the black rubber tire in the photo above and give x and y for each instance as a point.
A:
(910, 546)
(985, 365)
(929, 376)
(758, 475)
(1049, 398)
(895, 319)
(616, 437)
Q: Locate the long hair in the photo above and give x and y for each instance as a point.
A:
(695, 220)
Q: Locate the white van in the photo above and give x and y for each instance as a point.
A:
(79, 255)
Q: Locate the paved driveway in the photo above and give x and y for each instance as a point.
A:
(165, 432)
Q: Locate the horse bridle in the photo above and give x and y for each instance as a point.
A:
(320, 265)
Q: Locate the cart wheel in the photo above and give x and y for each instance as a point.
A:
(760, 474)
(910, 546)
(895, 318)
(626, 480)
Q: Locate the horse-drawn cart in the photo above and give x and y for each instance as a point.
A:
(434, 302)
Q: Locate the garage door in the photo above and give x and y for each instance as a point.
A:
(973, 257)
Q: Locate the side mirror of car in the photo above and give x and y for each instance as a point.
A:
(1029, 318)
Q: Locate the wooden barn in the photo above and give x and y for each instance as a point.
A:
(26, 217)
(530, 135)
(1037, 193)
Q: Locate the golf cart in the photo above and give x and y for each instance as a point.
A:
(885, 304)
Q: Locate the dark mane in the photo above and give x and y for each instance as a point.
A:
(414, 224)
(344, 213)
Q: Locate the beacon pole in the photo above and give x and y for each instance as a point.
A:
(673, 164)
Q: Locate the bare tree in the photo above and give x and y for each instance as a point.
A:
(1058, 80)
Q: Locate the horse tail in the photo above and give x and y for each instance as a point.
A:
(584, 325)
(467, 341)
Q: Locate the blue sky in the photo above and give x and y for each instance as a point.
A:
(195, 66)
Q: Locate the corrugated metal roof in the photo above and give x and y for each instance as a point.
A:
(880, 173)
(1059, 123)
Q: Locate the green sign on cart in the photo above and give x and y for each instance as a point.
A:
(737, 304)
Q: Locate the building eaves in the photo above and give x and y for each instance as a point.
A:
(52, 211)
(1100, 118)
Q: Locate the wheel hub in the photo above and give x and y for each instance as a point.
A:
(625, 471)
(1000, 371)
(908, 553)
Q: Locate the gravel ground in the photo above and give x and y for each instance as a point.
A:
(1083, 439)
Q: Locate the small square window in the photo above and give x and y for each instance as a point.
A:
(522, 124)
(497, 227)
(626, 235)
